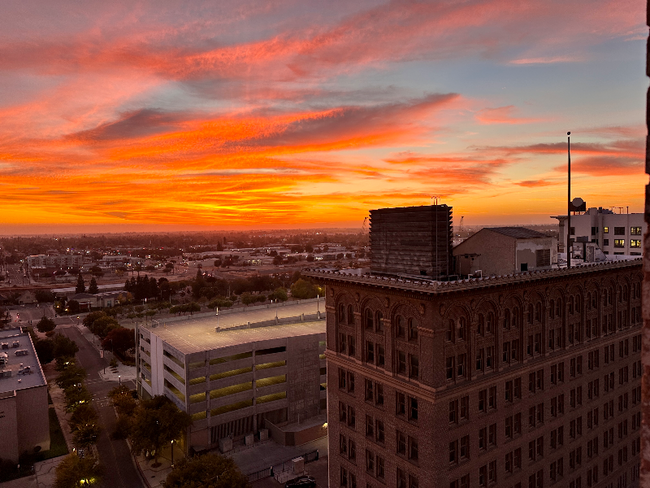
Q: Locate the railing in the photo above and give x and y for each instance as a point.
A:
(282, 467)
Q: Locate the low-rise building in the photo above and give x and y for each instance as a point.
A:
(24, 419)
(505, 250)
(614, 233)
(240, 374)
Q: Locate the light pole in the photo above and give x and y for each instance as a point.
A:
(172, 453)
(568, 231)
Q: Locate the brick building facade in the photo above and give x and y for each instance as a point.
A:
(530, 380)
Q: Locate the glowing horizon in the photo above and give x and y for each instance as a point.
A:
(257, 115)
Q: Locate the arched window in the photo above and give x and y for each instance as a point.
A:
(506, 319)
(462, 329)
(413, 330)
(399, 327)
(369, 319)
(530, 313)
(551, 309)
(538, 312)
(515, 317)
(481, 324)
(490, 323)
(594, 300)
(588, 301)
(572, 302)
(350, 315)
(558, 308)
(341, 313)
(451, 331)
(379, 321)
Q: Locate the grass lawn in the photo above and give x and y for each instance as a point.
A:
(58, 446)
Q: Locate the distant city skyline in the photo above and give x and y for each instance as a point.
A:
(255, 115)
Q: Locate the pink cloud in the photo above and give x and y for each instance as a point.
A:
(502, 115)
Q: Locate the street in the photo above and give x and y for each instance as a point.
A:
(120, 470)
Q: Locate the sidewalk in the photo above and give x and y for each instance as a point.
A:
(43, 477)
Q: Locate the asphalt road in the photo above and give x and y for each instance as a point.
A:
(120, 470)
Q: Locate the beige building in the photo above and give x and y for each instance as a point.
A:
(242, 375)
(24, 420)
(505, 250)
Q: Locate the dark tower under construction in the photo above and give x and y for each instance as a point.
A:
(412, 240)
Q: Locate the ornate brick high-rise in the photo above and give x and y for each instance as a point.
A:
(525, 380)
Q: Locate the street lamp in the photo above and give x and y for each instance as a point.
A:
(172, 453)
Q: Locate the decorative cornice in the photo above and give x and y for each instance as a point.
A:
(433, 287)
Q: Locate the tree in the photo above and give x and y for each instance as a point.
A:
(303, 289)
(44, 350)
(44, 295)
(81, 284)
(84, 425)
(279, 294)
(119, 340)
(73, 306)
(45, 325)
(155, 423)
(208, 471)
(75, 472)
(97, 271)
(93, 288)
(64, 347)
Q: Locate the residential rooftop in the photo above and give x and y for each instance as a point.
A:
(20, 372)
(190, 334)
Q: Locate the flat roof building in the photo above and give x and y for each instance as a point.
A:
(24, 419)
(241, 374)
(614, 233)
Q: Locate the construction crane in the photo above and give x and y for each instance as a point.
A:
(460, 227)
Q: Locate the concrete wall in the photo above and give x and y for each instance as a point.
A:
(33, 419)
(24, 422)
(9, 446)
(490, 252)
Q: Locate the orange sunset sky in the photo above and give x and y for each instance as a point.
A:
(169, 115)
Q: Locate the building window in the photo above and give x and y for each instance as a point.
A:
(635, 231)
(379, 322)
(399, 327)
(401, 362)
(370, 352)
(619, 231)
(413, 330)
(606, 230)
(369, 322)
(350, 315)
(619, 242)
(414, 366)
(635, 243)
(605, 242)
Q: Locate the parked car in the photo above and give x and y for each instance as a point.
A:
(301, 482)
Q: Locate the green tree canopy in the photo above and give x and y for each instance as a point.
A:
(64, 347)
(93, 288)
(75, 472)
(155, 423)
(119, 340)
(208, 471)
(81, 284)
(45, 325)
(303, 289)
